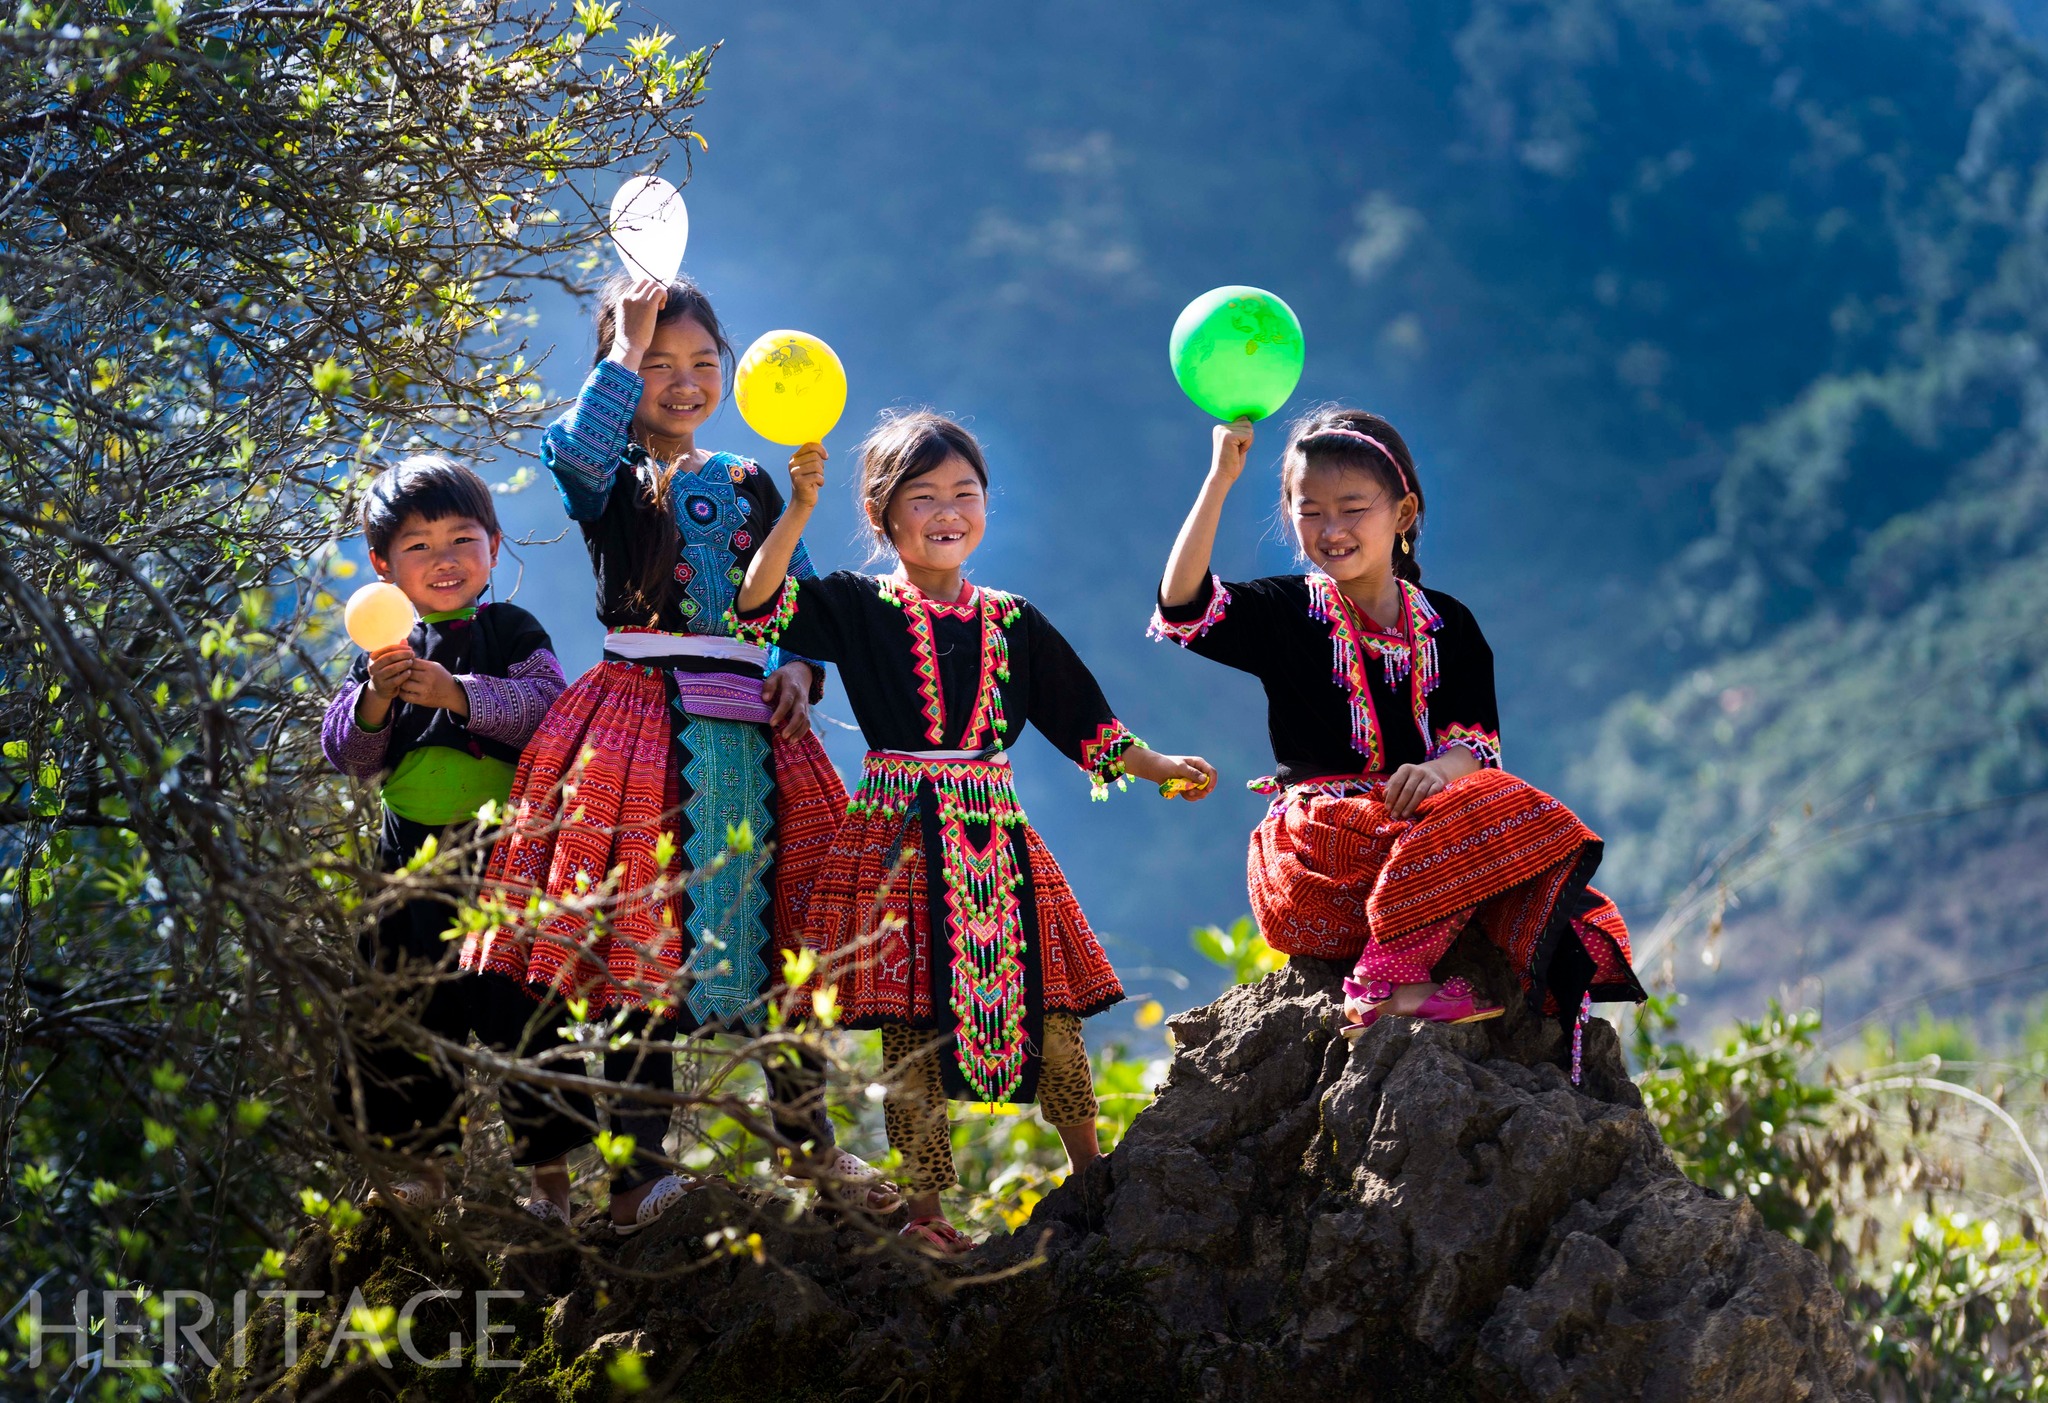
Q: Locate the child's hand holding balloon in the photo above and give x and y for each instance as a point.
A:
(427, 683)
(1231, 442)
(638, 308)
(389, 667)
(807, 474)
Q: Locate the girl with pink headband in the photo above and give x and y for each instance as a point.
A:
(1392, 826)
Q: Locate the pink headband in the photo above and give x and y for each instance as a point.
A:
(1399, 471)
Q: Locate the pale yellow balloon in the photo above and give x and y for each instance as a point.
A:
(378, 615)
(790, 387)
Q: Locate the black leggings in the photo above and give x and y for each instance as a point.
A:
(410, 1103)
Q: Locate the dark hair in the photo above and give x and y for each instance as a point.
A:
(685, 299)
(427, 486)
(652, 554)
(903, 446)
(1332, 437)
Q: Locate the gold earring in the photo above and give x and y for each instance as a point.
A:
(1404, 546)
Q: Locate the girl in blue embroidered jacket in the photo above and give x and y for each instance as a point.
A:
(680, 737)
(943, 919)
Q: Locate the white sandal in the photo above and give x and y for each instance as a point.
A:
(846, 1167)
(668, 1191)
(406, 1193)
(545, 1210)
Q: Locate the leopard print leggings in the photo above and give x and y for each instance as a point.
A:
(915, 1106)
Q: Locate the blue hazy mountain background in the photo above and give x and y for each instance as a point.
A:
(1715, 328)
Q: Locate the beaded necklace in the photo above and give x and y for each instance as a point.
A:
(1408, 653)
(986, 724)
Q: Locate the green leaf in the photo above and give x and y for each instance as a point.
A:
(615, 1150)
(627, 1372)
(331, 380)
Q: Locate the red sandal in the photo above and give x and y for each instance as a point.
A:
(937, 1236)
(1453, 1002)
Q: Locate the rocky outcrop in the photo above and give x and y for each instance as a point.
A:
(1430, 1213)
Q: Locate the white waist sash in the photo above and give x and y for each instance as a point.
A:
(639, 647)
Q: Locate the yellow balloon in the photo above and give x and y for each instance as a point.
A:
(790, 387)
(378, 615)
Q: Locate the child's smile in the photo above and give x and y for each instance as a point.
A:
(441, 565)
(683, 380)
(1347, 523)
(936, 520)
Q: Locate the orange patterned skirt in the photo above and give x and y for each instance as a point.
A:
(1334, 876)
(984, 952)
(603, 870)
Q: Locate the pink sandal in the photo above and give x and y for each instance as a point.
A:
(1453, 1002)
(937, 1236)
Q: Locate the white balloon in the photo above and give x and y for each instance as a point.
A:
(650, 226)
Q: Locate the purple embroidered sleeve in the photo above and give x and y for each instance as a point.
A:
(510, 709)
(1484, 744)
(1188, 631)
(582, 447)
(354, 751)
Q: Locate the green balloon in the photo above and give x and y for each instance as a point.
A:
(1237, 352)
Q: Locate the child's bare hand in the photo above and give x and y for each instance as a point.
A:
(788, 691)
(807, 474)
(430, 684)
(389, 667)
(638, 308)
(1231, 443)
(1191, 776)
(1410, 785)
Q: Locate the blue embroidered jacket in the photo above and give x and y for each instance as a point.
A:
(674, 565)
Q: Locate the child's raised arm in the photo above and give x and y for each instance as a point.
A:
(1188, 566)
(770, 565)
(581, 448)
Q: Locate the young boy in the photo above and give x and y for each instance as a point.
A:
(440, 719)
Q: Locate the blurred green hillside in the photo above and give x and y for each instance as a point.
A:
(1714, 326)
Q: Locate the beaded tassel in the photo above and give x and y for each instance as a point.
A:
(1579, 1035)
(984, 914)
(1348, 662)
(767, 631)
(1411, 658)
(986, 926)
(1102, 757)
(975, 791)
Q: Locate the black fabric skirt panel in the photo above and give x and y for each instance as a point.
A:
(407, 1099)
(1561, 965)
(545, 1123)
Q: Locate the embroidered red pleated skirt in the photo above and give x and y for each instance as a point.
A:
(609, 870)
(1334, 876)
(983, 952)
